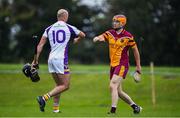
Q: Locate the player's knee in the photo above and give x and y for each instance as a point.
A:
(113, 86)
(67, 87)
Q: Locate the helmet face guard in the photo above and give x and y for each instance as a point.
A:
(27, 70)
(121, 19)
(31, 72)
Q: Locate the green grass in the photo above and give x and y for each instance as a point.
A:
(88, 95)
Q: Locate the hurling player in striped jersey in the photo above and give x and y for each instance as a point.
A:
(120, 41)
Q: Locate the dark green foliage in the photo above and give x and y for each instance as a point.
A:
(154, 24)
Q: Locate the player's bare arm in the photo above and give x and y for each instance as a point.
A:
(39, 50)
(80, 36)
(137, 58)
(98, 38)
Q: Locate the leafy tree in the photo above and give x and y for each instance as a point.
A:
(155, 25)
(4, 30)
(31, 17)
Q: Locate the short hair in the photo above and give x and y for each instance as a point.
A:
(61, 13)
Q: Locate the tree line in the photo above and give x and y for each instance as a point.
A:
(154, 24)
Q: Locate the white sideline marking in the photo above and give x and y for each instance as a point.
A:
(93, 72)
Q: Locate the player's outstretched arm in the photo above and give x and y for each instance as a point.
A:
(98, 38)
(80, 36)
(137, 58)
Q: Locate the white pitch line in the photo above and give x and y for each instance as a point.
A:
(93, 72)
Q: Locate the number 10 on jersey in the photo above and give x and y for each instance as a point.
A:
(59, 36)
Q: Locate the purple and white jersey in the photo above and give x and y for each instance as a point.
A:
(59, 35)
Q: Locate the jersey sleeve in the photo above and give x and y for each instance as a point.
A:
(74, 31)
(106, 35)
(131, 42)
(45, 34)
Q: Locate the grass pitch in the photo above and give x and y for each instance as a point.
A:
(89, 94)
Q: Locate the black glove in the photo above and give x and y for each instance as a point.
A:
(31, 72)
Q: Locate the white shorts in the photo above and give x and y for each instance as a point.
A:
(57, 66)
